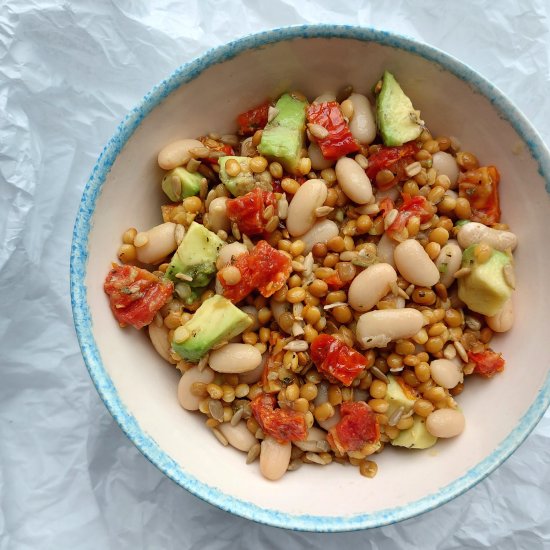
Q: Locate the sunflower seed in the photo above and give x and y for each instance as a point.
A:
(379, 374)
(220, 437)
(253, 453)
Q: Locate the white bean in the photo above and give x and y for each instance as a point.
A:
(161, 242)
(385, 249)
(321, 232)
(446, 165)
(318, 161)
(391, 193)
(187, 400)
(235, 358)
(301, 210)
(475, 233)
(177, 153)
(253, 314)
(238, 436)
(353, 180)
(448, 262)
(316, 434)
(445, 423)
(230, 252)
(274, 458)
(251, 377)
(217, 215)
(159, 338)
(445, 373)
(414, 264)
(362, 125)
(325, 98)
(504, 319)
(376, 328)
(332, 421)
(370, 286)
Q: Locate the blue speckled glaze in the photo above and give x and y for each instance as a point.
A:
(83, 323)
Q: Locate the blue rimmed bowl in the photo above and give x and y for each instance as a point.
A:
(139, 389)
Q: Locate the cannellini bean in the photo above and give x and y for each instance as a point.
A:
(362, 124)
(159, 338)
(385, 249)
(504, 319)
(274, 458)
(253, 314)
(414, 264)
(376, 328)
(235, 358)
(391, 193)
(445, 373)
(332, 421)
(446, 165)
(321, 232)
(475, 233)
(177, 153)
(318, 161)
(217, 215)
(187, 400)
(229, 252)
(448, 262)
(238, 436)
(301, 210)
(278, 308)
(161, 241)
(370, 286)
(353, 180)
(325, 98)
(252, 376)
(445, 423)
(316, 434)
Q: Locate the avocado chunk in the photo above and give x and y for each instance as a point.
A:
(217, 320)
(195, 257)
(415, 437)
(485, 289)
(283, 137)
(243, 182)
(396, 117)
(179, 183)
(398, 395)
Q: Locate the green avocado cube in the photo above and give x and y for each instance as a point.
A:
(396, 117)
(179, 183)
(195, 257)
(396, 397)
(217, 320)
(415, 437)
(283, 137)
(243, 182)
(485, 289)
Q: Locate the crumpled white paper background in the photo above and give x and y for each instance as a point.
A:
(69, 71)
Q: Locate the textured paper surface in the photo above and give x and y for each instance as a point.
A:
(69, 71)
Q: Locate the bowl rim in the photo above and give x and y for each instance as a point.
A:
(83, 322)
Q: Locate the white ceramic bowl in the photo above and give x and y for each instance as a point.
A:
(139, 389)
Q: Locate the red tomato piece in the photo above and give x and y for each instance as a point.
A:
(252, 120)
(282, 424)
(227, 150)
(357, 427)
(264, 269)
(336, 360)
(334, 282)
(411, 206)
(394, 159)
(135, 294)
(480, 187)
(385, 205)
(247, 211)
(487, 363)
(339, 141)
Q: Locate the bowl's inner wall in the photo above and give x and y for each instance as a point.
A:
(131, 196)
